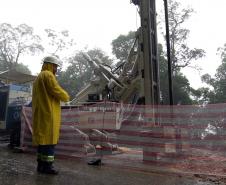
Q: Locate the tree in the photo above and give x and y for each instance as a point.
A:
(59, 43)
(181, 55)
(122, 44)
(22, 68)
(79, 73)
(217, 91)
(16, 41)
(203, 95)
(181, 87)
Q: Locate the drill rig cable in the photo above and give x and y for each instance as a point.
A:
(168, 52)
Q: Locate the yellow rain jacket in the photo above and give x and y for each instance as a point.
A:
(46, 110)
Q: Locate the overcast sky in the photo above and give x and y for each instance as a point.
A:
(95, 23)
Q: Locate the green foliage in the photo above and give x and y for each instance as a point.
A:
(17, 41)
(181, 55)
(217, 93)
(79, 73)
(122, 44)
(181, 85)
(19, 67)
(22, 68)
(203, 95)
(181, 90)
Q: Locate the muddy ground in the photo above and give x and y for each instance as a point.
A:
(20, 169)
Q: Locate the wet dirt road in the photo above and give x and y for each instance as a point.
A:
(20, 169)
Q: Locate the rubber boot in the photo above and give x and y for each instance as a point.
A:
(95, 162)
(40, 166)
(49, 169)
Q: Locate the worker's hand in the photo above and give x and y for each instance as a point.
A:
(68, 103)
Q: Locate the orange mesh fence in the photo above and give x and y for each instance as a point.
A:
(182, 138)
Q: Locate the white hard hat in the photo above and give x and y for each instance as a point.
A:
(51, 59)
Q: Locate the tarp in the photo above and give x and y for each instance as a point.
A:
(14, 76)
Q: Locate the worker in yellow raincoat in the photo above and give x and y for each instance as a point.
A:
(46, 114)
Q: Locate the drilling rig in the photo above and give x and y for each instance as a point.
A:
(136, 81)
